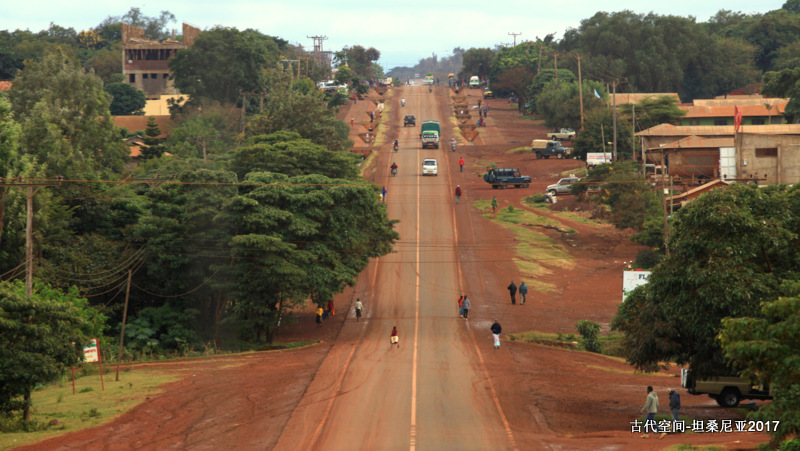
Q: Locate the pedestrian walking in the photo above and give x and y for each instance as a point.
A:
(319, 316)
(651, 407)
(494, 204)
(460, 308)
(383, 194)
(479, 103)
(371, 117)
(352, 122)
(393, 338)
(458, 193)
(461, 163)
(359, 306)
(355, 99)
(496, 329)
(674, 403)
(331, 311)
(523, 292)
(465, 306)
(512, 289)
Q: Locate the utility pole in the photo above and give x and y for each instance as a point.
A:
(30, 189)
(124, 318)
(515, 37)
(580, 89)
(633, 133)
(614, 112)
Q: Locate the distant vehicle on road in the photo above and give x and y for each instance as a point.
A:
(564, 134)
(430, 133)
(410, 120)
(430, 167)
(474, 82)
(563, 186)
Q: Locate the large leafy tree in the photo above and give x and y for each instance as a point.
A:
(301, 237)
(240, 61)
(305, 113)
(65, 118)
(785, 83)
(359, 59)
(730, 250)
(41, 336)
(477, 61)
(766, 349)
(155, 27)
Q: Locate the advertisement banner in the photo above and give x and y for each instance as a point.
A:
(92, 352)
(631, 280)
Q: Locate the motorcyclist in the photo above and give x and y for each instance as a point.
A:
(403, 102)
(394, 168)
(396, 145)
(453, 144)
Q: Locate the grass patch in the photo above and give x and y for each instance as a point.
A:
(611, 344)
(87, 408)
(518, 149)
(687, 447)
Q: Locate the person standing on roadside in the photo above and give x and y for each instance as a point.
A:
(330, 308)
(461, 163)
(460, 308)
(496, 329)
(393, 338)
(512, 289)
(674, 403)
(494, 204)
(319, 316)
(651, 407)
(458, 193)
(383, 194)
(359, 306)
(352, 121)
(465, 306)
(523, 292)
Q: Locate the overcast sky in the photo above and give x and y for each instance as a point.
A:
(403, 30)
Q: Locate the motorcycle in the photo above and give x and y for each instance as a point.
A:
(453, 145)
(430, 88)
(396, 147)
(394, 172)
(402, 102)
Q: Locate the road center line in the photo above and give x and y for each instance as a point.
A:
(413, 442)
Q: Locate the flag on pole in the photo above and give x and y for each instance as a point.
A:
(596, 94)
(737, 119)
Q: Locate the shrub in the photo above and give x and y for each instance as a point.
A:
(589, 331)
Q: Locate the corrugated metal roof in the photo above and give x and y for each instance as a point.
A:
(622, 98)
(698, 142)
(719, 130)
(729, 110)
(5, 85)
(739, 100)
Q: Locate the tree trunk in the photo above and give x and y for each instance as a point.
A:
(26, 409)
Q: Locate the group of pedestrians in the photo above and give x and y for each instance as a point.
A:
(323, 313)
(463, 306)
(523, 292)
(651, 409)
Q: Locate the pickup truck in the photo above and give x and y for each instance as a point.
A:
(430, 133)
(546, 149)
(564, 134)
(501, 178)
(726, 391)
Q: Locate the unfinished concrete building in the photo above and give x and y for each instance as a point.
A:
(145, 63)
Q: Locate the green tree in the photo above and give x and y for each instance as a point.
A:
(343, 76)
(151, 140)
(125, 99)
(240, 61)
(359, 59)
(712, 273)
(9, 145)
(653, 111)
(155, 27)
(41, 336)
(306, 114)
(477, 61)
(65, 118)
(766, 348)
(784, 83)
(301, 237)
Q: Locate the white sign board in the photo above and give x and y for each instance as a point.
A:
(631, 280)
(92, 352)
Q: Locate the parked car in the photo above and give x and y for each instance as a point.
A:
(503, 177)
(564, 133)
(410, 120)
(563, 186)
(430, 167)
(726, 391)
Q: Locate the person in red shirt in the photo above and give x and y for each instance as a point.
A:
(394, 339)
(458, 193)
(461, 163)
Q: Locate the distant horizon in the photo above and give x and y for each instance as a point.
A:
(395, 32)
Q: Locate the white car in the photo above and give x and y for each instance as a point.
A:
(430, 167)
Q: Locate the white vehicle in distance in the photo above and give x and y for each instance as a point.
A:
(563, 186)
(430, 167)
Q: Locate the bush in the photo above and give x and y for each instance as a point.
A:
(647, 258)
(535, 199)
(589, 331)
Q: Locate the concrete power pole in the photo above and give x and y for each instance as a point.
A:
(515, 37)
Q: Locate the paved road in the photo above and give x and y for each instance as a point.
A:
(433, 392)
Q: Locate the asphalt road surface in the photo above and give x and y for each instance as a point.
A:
(432, 392)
